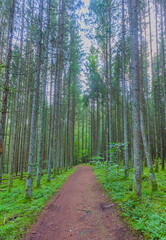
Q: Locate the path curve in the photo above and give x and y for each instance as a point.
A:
(80, 211)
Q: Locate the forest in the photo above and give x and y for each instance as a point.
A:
(83, 86)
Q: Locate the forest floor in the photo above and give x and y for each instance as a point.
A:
(18, 214)
(81, 210)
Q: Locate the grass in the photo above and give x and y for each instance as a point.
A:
(17, 214)
(148, 215)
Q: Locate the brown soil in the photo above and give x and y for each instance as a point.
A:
(80, 211)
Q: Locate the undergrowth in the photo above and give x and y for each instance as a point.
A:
(17, 214)
(148, 214)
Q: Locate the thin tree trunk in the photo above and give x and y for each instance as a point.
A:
(157, 86)
(16, 100)
(35, 105)
(83, 140)
(26, 98)
(124, 95)
(110, 84)
(6, 84)
(164, 89)
(73, 130)
(142, 122)
(107, 103)
(68, 117)
(133, 11)
(98, 128)
(78, 141)
(152, 73)
(146, 149)
(44, 80)
(54, 113)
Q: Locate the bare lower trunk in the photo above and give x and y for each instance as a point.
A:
(26, 98)
(107, 104)
(133, 11)
(148, 158)
(124, 95)
(98, 128)
(6, 84)
(35, 106)
(39, 156)
(110, 85)
(16, 100)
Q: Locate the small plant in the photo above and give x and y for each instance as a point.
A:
(115, 149)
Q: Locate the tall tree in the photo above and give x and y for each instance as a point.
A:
(17, 97)
(6, 83)
(133, 12)
(124, 93)
(35, 103)
(39, 157)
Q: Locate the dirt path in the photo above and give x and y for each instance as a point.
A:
(78, 212)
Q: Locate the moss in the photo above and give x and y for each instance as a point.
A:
(38, 185)
(29, 175)
(154, 186)
(27, 194)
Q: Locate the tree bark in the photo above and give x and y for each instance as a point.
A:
(6, 83)
(16, 100)
(26, 97)
(35, 105)
(39, 156)
(133, 11)
(124, 94)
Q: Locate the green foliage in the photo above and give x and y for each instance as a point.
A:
(117, 148)
(147, 215)
(17, 214)
(2, 68)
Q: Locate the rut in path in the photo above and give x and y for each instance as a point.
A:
(80, 211)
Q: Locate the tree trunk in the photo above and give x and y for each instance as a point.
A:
(6, 84)
(124, 95)
(110, 84)
(78, 141)
(146, 149)
(35, 105)
(98, 128)
(26, 98)
(107, 101)
(44, 80)
(133, 11)
(16, 100)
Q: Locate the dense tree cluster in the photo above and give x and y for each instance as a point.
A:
(48, 121)
(127, 85)
(39, 68)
